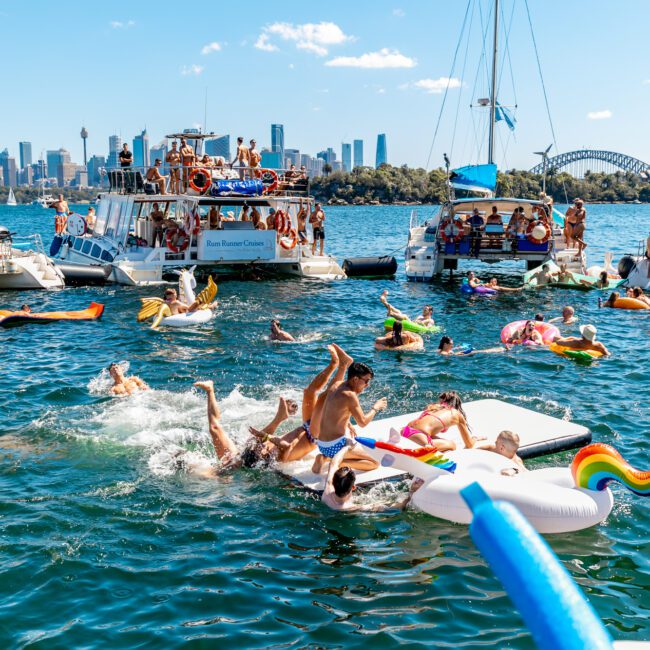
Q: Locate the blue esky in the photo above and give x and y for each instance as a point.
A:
(330, 72)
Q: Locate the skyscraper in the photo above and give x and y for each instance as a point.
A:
(277, 140)
(65, 169)
(382, 155)
(52, 159)
(219, 147)
(25, 154)
(328, 155)
(114, 146)
(8, 165)
(346, 156)
(292, 157)
(159, 152)
(95, 164)
(358, 154)
(141, 150)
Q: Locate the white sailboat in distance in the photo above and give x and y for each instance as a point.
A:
(11, 199)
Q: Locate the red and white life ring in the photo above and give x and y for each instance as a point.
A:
(529, 232)
(171, 232)
(205, 175)
(269, 180)
(280, 222)
(188, 222)
(452, 231)
(293, 235)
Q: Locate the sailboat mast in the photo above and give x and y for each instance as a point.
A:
(493, 93)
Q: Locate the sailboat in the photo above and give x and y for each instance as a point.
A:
(11, 199)
(523, 230)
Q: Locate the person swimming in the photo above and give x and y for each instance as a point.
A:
(493, 284)
(438, 418)
(278, 334)
(123, 385)
(568, 316)
(446, 348)
(398, 339)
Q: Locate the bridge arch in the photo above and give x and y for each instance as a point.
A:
(619, 160)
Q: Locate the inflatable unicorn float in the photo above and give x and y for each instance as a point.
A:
(201, 306)
(553, 499)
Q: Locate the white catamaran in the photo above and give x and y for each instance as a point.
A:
(486, 228)
(226, 218)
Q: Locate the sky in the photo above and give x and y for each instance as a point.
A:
(330, 72)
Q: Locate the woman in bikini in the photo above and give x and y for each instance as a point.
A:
(436, 419)
(398, 339)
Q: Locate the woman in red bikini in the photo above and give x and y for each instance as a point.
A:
(436, 419)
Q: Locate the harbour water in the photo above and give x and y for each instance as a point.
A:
(106, 543)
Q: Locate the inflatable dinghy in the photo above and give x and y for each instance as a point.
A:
(12, 319)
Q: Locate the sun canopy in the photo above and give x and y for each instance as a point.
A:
(476, 178)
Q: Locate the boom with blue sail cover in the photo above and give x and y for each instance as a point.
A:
(475, 178)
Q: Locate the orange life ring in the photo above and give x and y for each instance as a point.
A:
(280, 222)
(197, 224)
(205, 174)
(170, 244)
(269, 179)
(294, 240)
(529, 232)
(450, 237)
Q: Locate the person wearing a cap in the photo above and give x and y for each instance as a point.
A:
(585, 342)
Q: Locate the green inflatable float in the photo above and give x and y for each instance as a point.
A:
(410, 326)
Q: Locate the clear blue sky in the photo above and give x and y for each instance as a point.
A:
(321, 70)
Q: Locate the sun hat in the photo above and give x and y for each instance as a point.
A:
(588, 332)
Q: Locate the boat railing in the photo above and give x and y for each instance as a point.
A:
(11, 247)
(224, 180)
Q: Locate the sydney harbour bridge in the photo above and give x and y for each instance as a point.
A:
(593, 160)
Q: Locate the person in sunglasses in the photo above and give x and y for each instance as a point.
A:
(341, 404)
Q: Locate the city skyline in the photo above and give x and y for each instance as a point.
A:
(338, 70)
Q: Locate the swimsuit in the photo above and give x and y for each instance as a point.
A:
(331, 447)
(307, 427)
(409, 431)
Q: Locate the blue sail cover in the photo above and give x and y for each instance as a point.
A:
(476, 178)
(505, 114)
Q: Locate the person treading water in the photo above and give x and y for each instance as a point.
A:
(278, 334)
(123, 385)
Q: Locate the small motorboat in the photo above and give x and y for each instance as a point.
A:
(14, 319)
(24, 264)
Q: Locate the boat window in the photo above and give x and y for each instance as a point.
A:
(77, 243)
(126, 214)
(96, 252)
(106, 256)
(113, 218)
(86, 247)
(101, 217)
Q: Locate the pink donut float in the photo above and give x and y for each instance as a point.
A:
(549, 332)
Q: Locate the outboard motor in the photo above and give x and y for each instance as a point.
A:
(5, 235)
(625, 266)
(370, 267)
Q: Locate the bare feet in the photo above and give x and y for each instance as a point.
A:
(333, 353)
(317, 467)
(207, 385)
(344, 358)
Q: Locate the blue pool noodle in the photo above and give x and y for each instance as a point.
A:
(556, 612)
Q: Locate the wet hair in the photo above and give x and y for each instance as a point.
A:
(603, 277)
(358, 369)
(445, 340)
(613, 297)
(427, 307)
(569, 308)
(637, 291)
(539, 317)
(343, 481)
(397, 334)
(452, 399)
(25, 307)
(251, 456)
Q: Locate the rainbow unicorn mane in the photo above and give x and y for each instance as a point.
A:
(595, 466)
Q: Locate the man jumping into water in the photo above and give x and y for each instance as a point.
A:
(341, 404)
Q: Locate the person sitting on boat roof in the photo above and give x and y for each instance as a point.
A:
(126, 156)
(173, 159)
(123, 385)
(436, 419)
(506, 445)
(587, 340)
(543, 276)
(477, 224)
(398, 339)
(206, 162)
(568, 316)
(188, 157)
(242, 158)
(303, 172)
(341, 404)
(154, 176)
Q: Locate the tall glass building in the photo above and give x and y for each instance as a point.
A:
(219, 147)
(141, 150)
(114, 146)
(382, 155)
(25, 154)
(277, 140)
(346, 156)
(358, 154)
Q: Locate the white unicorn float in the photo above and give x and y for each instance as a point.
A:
(201, 307)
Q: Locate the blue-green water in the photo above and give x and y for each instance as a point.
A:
(104, 543)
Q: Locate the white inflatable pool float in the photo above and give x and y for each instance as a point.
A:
(189, 319)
